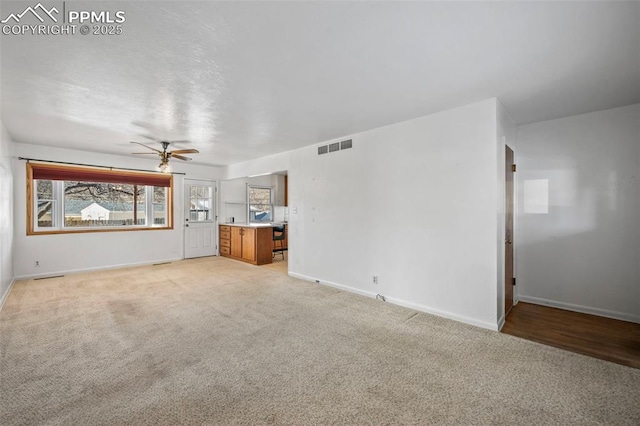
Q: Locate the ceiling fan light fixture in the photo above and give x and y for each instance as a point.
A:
(165, 155)
(164, 167)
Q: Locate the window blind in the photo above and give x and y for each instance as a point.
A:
(89, 174)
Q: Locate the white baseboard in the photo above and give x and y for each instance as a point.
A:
(444, 314)
(579, 308)
(6, 293)
(100, 268)
(400, 302)
(335, 285)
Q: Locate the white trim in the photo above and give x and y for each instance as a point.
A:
(444, 314)
(101, 268)
(400, 302)
(6, 294)
(335, 285)
(501, 322)
(579, 308)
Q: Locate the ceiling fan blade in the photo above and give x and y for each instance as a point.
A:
(185, 151)
(180, 157)
(182, 141)
(147, 146)
(149, 137)
(144, 153)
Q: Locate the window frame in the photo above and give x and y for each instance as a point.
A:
(58, 195)
(249, 204)
(54, 207)
(209, 198)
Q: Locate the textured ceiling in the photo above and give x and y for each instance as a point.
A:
(246, 79)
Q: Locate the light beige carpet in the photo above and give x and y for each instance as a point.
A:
(214, 341)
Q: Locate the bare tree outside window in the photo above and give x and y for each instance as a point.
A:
(103, 204)
(159, 205)
(45, 203)
(97, 204)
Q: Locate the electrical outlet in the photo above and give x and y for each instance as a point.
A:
(36, 263)
(375, 279)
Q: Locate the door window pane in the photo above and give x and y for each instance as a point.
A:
(200, 203)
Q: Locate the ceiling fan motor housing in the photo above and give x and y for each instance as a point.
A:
(166, 155)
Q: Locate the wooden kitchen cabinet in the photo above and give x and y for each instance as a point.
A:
(225, 240)
(236, 241)
(248, 244)
(245, 243)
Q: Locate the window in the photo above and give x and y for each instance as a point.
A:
(83, 199)
(260, 204)
(91, 204)
(45, 204)
(159, 205)
(200, 203)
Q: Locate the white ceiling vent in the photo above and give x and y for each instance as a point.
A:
(335, 147)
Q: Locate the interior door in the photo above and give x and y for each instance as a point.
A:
(508, 242)
(199, 219)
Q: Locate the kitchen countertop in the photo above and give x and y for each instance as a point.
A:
(255, 225)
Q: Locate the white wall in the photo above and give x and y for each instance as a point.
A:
(413, 203)
(6, 214)
(74, 252)
(506, 129)
(584, 253)
(277, 181)
(233, 200)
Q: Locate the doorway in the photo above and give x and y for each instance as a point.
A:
(199, 219)
(508, 234)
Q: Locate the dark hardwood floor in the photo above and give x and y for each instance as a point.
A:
(599, 337)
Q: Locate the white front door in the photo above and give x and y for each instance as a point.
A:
(199, 219)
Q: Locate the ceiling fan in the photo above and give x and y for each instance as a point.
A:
(166, 155)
